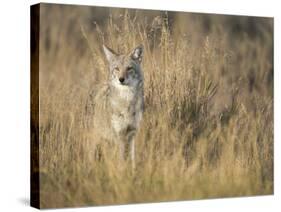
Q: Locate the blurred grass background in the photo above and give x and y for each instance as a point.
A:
(207, 130)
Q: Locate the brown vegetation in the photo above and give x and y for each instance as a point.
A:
(208, 124)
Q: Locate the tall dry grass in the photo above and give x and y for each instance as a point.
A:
(207, 130)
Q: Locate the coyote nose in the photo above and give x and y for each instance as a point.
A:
(121, 79)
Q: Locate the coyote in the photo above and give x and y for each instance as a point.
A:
(119, 104)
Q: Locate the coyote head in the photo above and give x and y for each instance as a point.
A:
(125, 69)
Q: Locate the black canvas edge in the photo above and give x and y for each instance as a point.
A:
(34, 106)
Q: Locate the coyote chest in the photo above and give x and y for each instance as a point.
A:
(127, 111)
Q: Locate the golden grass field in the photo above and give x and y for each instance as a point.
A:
(207, 130)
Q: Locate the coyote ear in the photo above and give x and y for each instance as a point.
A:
(109, 53)
(137, 53)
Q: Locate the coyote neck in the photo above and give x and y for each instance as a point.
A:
(125, 95)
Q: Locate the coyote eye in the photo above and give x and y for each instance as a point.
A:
(116, 69)
(129, 69)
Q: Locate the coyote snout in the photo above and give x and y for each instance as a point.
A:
(119, 104)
